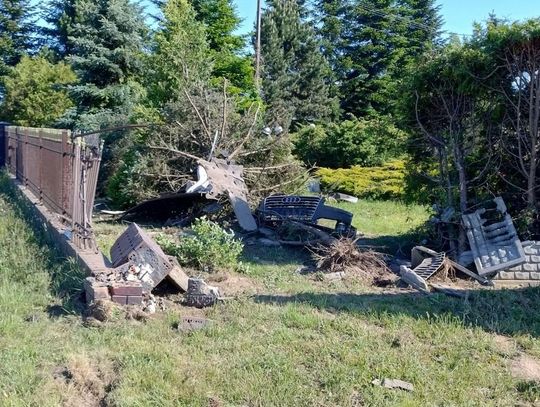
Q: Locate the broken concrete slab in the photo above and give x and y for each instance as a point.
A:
(413, 279)
(200, 294)
(188, 324)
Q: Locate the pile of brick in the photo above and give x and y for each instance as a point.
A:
(138, 266)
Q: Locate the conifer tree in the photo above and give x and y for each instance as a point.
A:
(227, 49)
(296, 76)
(17, 30)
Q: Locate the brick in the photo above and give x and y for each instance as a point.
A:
(516, 268)
(120, 299)
(134, 300)
(522, 275)
(530, 267)
(126, 289)
(535, 275)
(535, 259)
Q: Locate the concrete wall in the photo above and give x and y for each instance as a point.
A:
(530, 270)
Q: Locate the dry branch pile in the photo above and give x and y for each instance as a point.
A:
(344, 255)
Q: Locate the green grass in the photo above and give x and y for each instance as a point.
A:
(311, 345)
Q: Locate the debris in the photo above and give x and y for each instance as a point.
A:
(394, 384)
(200, 294)
(418, 252)
(219, 177)
(493, 238)
(168, 206)
(344, 197)
(451, 291)
(188, 324)
(294, 233)
(427, 267)
(344, 256)
(276, 209)
(263, 241)
(340, 275)
(136, 253)
(410, 277)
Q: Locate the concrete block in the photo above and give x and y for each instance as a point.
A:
(530, 267)
(505, 275)
(535, 259)
(535, 275)
(522, 275)
(531, 249)
(516, 268)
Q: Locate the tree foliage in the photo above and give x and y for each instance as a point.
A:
(227, 49)
(17, 32)
(370, 43)
(35, 92)
(104, 41)
(296, 77)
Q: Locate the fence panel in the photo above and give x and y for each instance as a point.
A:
(61, 173)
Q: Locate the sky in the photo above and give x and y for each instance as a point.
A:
(458, 15)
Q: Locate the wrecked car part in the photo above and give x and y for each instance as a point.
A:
(418, 253)
(305, 209)
(493, 238)
(167, 206)
(223, 178)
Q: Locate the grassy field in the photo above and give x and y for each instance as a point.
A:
(292, 342)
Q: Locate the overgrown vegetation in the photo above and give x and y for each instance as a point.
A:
(207, 247)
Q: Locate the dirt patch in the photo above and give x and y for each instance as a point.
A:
(86, 381)
(525, 367)
(231, 285)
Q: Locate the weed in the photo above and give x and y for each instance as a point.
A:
(209, 247)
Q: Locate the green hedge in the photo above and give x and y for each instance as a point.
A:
(384, 182)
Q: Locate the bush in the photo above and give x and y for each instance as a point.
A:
(209, 248)
(384, 182)
(364, 142)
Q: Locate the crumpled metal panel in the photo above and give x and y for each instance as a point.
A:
(493, 239)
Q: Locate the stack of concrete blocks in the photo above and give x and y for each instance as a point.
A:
(526, 274)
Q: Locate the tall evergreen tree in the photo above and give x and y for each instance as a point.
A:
(180, 55)
(369, 44)
(227, 48)
(103, 42)
(296, 76)
(17, 29)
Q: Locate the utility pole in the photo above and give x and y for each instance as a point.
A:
(258, 48)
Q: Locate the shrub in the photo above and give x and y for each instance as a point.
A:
(384, 182)
(364, 142)
(208, 248)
